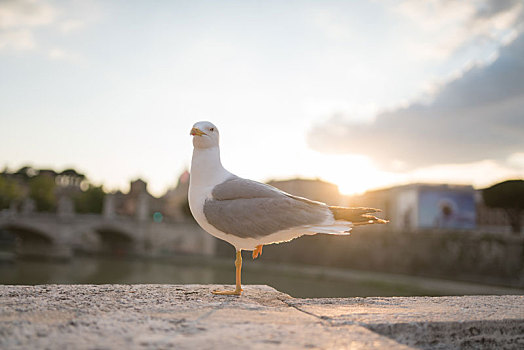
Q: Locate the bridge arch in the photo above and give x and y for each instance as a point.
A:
(29, 242)
(28, 233)
(115, 240)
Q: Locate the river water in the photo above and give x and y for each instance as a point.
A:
(297, 281)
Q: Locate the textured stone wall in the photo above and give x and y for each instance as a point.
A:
(190, 317)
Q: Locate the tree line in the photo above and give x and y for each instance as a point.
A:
(44, 188)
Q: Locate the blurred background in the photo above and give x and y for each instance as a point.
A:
(413, 107)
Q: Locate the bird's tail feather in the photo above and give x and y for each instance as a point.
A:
(358, 216)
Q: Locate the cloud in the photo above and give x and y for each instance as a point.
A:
(479, 174)
(17, 20)
(20, 21)
(517, 160)
(71, 25)
(64, 55)
(477, 116)
(25, 13)
(331, 25)
(458, 25)
(17, 39)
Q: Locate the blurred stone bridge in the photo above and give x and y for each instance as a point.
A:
(60, 235)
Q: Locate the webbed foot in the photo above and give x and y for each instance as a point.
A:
(227, 292)
(257, 251)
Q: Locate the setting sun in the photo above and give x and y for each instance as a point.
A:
(352, 174)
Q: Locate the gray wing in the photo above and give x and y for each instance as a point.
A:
(247, 208)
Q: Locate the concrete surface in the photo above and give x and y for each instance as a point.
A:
(190, 317)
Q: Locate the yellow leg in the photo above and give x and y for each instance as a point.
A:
(257, 251)
(238, 289)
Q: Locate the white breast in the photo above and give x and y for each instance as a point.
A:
(206, 172)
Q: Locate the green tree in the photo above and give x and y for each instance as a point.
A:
(508, 195)
(42, 191)
(26, 172)
(90, 200)
(10, 191)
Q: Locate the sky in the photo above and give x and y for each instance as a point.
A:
(364, 94)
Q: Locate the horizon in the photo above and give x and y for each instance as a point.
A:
(175, 183)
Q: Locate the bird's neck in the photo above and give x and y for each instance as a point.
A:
(206, 168)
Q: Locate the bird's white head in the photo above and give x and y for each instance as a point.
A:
(205, 135)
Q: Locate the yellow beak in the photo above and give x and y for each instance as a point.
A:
(197, 132)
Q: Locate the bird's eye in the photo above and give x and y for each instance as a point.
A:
(212, 129)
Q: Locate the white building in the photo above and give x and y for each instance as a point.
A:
(424, 206)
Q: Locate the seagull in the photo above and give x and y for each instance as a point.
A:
(249, 214)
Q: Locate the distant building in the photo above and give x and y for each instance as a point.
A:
(69, 183)
(138, 202)
(69, 179)
(424, 206)
(175, 202)
(48, 172)
(314, 189)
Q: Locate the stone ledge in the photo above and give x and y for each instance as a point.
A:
(190, 317)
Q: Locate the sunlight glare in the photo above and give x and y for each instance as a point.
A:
(353, 174)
